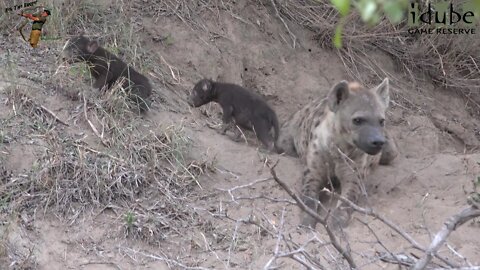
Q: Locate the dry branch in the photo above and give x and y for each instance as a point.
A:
(277, 13)
(448, 227)
(54, 115)
(371, 212)
(400, 259)
(345, 253)
(92, 126)
(29, 100)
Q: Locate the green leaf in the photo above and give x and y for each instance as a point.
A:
(367, 9)
(337, 39)
(375, 19)
(394, 11)
(343, 6)
(473, 6)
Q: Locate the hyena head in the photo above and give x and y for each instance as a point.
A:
(79, 49)
(201, 94)
(359, 114)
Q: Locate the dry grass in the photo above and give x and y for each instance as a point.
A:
(450, 61)
(141, 171)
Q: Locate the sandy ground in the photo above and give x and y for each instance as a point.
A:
(426, 184)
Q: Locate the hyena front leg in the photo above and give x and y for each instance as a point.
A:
(227, 122)
(313, 182)
(310, 194)
(100, 82)
(350, 187)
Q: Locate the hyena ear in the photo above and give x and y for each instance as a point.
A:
(383, 91)
(92, 46)
(337, 95)
(206, 85)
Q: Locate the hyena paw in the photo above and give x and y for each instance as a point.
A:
(236, 138)
(340, 218)
(222, 131)
(308, 221)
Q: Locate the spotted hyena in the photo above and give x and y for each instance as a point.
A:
(339, 138)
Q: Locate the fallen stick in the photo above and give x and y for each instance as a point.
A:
(43, 108)
(94, 129)
(52, 114)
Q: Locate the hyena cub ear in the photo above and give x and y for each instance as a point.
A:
(206, 85)
(337, 95)
(383, 91)
(92, 46)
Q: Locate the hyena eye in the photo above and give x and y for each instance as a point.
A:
(358, 121)
(382, 122)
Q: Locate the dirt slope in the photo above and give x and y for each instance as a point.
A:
(244, 43)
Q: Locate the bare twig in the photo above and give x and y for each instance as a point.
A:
(379, 241)
(101, 153)
(371, 212)
(231, 190)
(279, 239)
(54, 116)
(277, 13)
(449, 226)
(400, 259)
(311, 212)
(164, 259)
(94, 129)
(32, 102)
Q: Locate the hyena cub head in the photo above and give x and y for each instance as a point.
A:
(359, 114)
(201, 94)
(79, 49)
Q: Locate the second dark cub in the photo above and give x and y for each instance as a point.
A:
(248, 109)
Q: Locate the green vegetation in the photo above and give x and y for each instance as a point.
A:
(371, 12)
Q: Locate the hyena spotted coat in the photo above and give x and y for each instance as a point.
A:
(339, 138)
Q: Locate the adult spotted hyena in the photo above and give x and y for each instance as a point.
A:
(339, 138)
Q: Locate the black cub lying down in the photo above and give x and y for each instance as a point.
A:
(248, 109)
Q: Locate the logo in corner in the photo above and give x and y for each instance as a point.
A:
(444, 17)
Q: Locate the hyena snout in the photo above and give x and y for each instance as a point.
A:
(377, 142)
(194, 101)
(372, 143)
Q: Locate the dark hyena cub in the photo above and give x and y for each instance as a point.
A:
(248, 110)
(107, 68)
